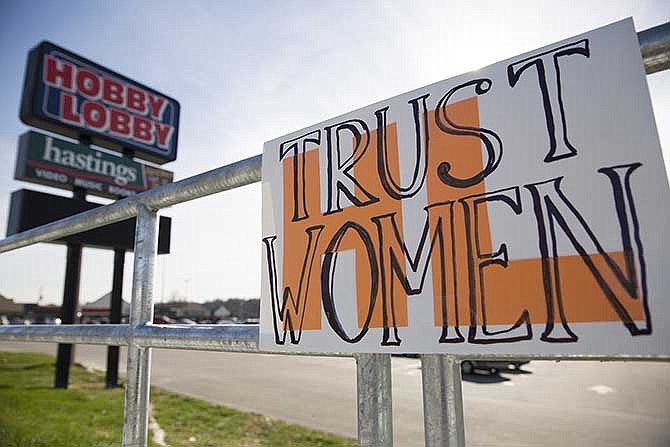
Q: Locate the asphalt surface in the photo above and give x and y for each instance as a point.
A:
(547, 403)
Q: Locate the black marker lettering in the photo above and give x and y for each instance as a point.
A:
(492, 142)
(328, 274)
(339, 171)
(437, 247)
(393, 188)
(478, 261)
(297, 147)
(290, 311)
(553, 209)
(549, 78)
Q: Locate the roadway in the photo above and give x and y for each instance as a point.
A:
(547, 403)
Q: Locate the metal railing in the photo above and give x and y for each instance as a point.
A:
(441, 375)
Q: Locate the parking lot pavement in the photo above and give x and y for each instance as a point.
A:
(545, 403)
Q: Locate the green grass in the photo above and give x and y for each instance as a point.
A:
(33, 414)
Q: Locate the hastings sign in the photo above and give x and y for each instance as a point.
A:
(518, 209)
(68, 94)
(55, 162)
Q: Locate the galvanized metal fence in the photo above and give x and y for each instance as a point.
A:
(441, 374)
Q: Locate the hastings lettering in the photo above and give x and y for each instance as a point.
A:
(55, 162)
(89, 162)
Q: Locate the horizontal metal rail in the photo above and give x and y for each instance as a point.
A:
(232, 176)
(88, 334)
(655, 48)
(223, 338)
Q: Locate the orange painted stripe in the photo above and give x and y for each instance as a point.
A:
(507, 291)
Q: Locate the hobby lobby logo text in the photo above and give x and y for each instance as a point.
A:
(103, 104)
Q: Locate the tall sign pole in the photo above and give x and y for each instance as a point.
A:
(116, 306)
(68, 313)
(112, 376)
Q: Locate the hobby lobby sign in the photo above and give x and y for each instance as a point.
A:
(71, 95)
(518, 209)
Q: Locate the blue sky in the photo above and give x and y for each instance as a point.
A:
(247, 72)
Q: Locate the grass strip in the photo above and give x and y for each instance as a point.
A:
(34, 414)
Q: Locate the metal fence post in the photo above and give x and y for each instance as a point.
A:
(442, 401)
(138, 372)
(374, 396)
(68, 313)
(116, 301)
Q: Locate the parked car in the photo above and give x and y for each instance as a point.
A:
(492, 366)
(185, 321)
(20, 321)
(163, 319)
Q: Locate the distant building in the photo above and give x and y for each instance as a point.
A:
(42, 314)
(243, 308)
(102, 306)
(9, 307)
(187, 310)
(221, 313)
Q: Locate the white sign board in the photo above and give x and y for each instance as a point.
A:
(521, 208)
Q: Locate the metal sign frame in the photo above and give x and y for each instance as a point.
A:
(29, 209)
